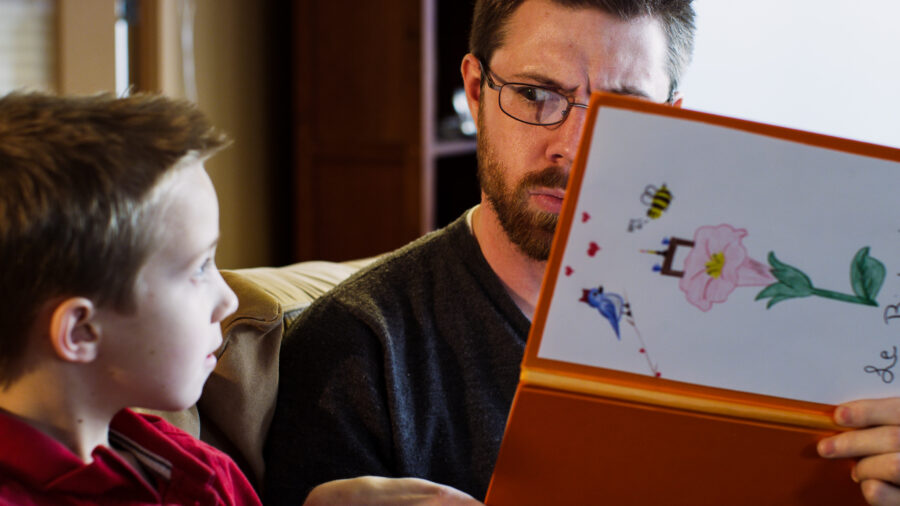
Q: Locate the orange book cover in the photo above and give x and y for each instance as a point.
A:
(698, 320)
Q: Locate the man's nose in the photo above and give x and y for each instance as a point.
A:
(564, 142)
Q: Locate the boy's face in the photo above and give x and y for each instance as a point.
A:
(160, 356)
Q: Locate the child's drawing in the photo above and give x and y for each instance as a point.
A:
(752, 290)
(866, 278)
(718, 263)
(657, 201)
(614, 307)
(608, 304)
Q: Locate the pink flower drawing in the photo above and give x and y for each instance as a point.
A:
(717, 264)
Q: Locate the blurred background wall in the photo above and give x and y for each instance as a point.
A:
(229, 56)
(827, 66)
(347, 142)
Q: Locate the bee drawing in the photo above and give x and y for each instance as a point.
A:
(657, 201)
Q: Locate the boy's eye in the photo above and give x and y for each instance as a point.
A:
(204, 267)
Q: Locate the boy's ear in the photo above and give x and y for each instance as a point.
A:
(73, 331)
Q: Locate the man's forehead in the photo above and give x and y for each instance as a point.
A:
(583, 48)
(606, 54)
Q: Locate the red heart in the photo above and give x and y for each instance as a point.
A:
(659, 374)
(593, 248)
(585, 217)
(569, 271)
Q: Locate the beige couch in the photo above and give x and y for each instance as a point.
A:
(238, 400)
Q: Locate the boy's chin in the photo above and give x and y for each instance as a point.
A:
(187, 400)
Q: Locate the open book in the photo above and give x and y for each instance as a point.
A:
(715, 287)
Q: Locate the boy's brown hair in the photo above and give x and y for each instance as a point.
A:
(675, 16)
(76, 199)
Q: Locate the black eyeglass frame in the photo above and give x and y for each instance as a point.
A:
(488, 76)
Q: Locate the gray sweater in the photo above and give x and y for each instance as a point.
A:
(406, 369)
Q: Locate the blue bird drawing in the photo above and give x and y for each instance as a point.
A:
(610, 305)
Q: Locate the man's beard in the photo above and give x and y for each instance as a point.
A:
(529, 229)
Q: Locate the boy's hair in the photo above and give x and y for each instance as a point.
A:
(675, 16)
(77, 204)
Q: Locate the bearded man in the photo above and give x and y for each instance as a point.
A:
(409, 368)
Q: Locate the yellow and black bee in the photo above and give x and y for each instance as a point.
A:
(657, 200)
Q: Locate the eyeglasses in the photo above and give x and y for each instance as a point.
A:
(530, 103)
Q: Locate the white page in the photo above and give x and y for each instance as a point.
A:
(814, 208)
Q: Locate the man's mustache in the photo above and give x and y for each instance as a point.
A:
(551, 177)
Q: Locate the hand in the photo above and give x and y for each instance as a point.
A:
(375, 491)
(876, 443)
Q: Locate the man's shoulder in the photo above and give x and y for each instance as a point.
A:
(381, 292)
(413, 264)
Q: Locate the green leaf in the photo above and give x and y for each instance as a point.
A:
(778, 292)
(866, 275)
(795, 279)
(776, 300)
(773, 290)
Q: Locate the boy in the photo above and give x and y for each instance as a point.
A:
(109, 298)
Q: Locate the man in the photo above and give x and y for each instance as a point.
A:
(409, 368)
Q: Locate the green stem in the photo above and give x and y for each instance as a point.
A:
(828, 294)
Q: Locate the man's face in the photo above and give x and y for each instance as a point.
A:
(523, 169)
(160, 356)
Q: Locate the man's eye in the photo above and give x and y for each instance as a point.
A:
(532, 94)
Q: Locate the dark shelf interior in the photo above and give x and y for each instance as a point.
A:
(457, 184)
(454, 18)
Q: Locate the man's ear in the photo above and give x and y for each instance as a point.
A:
(677, 99)
(471, 74)
(73, 332)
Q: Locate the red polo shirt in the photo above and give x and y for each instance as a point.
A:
(37, 469)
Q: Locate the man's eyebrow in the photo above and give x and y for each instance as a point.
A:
(629, 91)
(542, 80)
(548, 82)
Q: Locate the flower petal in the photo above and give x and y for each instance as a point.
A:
(719, 237)
(753, 273)
(699, 287)
(719, 289)
(735, 255)
(695, 290)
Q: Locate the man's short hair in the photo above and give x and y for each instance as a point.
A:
(675, 16)
(77, 204)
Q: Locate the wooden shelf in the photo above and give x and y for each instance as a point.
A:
(367, 102)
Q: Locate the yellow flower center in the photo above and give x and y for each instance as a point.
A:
(715, 264)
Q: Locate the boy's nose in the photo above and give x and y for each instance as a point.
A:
(228, 302)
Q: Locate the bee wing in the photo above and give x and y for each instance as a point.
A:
(647, 196)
